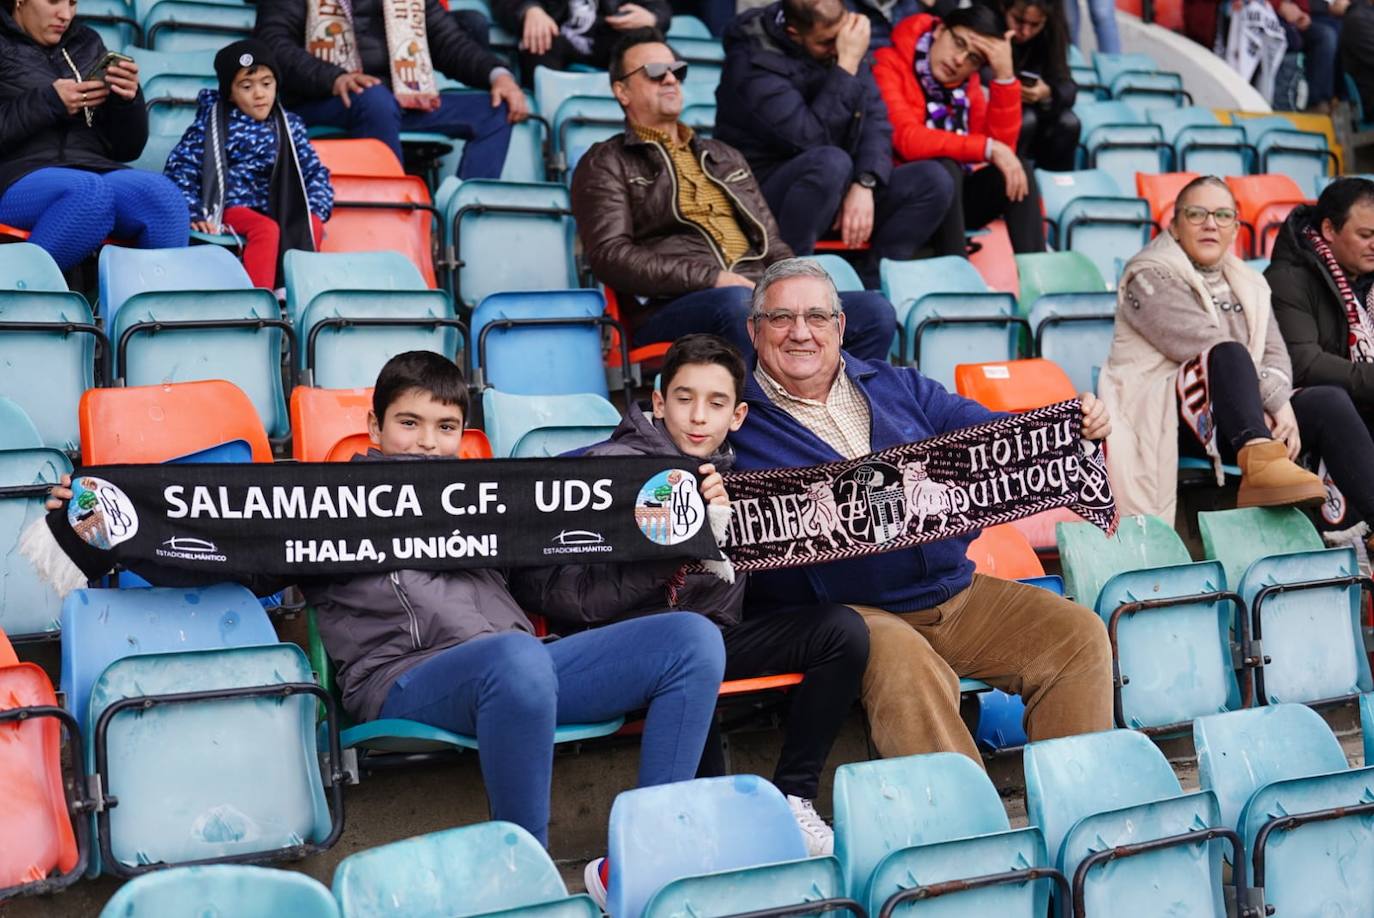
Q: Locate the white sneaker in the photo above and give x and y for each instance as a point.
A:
(595, 883)
(820, 838)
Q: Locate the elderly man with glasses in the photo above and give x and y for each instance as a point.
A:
(676, 224)
(931, 619)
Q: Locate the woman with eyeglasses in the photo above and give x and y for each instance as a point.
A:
(1198, 368)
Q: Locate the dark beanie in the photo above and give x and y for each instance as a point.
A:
(246, 53)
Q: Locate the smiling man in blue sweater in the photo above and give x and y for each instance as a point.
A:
(931, 619)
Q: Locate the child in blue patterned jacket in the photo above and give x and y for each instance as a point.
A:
(246, 165)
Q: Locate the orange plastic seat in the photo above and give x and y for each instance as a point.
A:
(36, 835)
(1002, 551)
(1264, 202)
(383, 213)
(159, 423)
(330, 425)
(366, 156)
(759, 684)
(7, 655)
(13, 232)
(995, 259)
(1014, 385)
(645, 354)
(1161, 190)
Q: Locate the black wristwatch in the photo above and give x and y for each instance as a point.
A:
(867, 180)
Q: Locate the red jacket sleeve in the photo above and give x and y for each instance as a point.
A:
(1001, 111)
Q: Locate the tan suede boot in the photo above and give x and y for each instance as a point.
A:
(1268, 478)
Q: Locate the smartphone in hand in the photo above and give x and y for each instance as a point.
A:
(105, 63)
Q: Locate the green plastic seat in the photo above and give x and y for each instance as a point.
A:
(1238, 538)
(1057, 272)
(1090, 559)
(528, 425)
(222, 889)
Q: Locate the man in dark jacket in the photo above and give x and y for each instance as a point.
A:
(362, 101)
(797, 98)
(676, 224)
(559, 33)
(1356, 46)
(1321, 275)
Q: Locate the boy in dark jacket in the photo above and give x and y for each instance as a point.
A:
(700, 403)
(246, 165)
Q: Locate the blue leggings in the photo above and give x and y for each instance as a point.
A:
(70, 211)
(511, 690)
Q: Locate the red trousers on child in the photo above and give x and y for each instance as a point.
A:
(261, 242)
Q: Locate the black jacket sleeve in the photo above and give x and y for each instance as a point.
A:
(1296, 301)
(281, 26)
(454, 51)
(123, 124)
(875, 143)
(30, 113)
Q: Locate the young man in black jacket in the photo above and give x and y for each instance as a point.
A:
(798, 99)
(343, 77)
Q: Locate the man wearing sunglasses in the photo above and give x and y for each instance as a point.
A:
(797, 98)
(676, 224)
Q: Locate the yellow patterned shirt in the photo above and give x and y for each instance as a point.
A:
(700, 200)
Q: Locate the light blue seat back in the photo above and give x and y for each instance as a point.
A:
(582, 121)
(310, 274)
(1150, 92)
(180, 25)
(525, 153)
(1174, 121)
(687, 27)
(1089, 558)
(156, 150)
(1238, 538)
(125, 272)
(17, 430)
(1105, 121)
(1175, 661)
(1057, 189)
(700, 117)
(1107, 230)
(28, 605)
(1284, 149)
(551, 87)
(101, 626)
(32, 289)
(1077, 332)
(1111, 66)
(568, 357)
(664, 833)
(749, 889)
(471, 870)
(241, 775)
(508, 419)
(221, 889)
(486, 239)
(841, 272)
(172, 100)
(1201, 143)
(1312, 638)
(943, 346)
(112, 20)
(547, 442)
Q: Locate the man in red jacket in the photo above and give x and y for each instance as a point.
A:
(929, 79)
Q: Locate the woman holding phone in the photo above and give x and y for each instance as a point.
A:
(71, 115)
(1040, 53)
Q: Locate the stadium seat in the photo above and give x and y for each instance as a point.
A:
(1110, 67)
(47, 332)
(710, 829)
(29, 607)
(905, 824)
(113, 21)
(222, 889)
(558, 331)
(1087, 212)
(1002, 551)
(1169, 620)
(687, 27)
(1282, 148)
(186, 25)
(1013, 385)
(487, 221)
(40, 848)
(145, 424)
(181, 317)
(1281, 770)
(1089, 89)
(1101, 799)
(1264, 202)
(1117, 139)
(354, 312)
(1075, 331)
(841, 272)
(580, 122)
(171, 82)
(330, 425)
(1201, 143)
(552, 87)
(458, 873)
(1057, 272)
(1367, 725)
(156, 150)
(525, 426)
(230, 774)
(1237, 538)
(383, 213)
(1148, 93)
(994, 259)
(948, 316)
(364, 156)
(1161, 191)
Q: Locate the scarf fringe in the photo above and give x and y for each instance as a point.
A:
(719, 516)
(49, 561)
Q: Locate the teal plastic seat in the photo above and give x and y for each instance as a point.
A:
(1238, 538)
(568, 356)
(1367, 725)
(1091, 215)
(332, 286)
(172, 100)
(520, 426)
(552, 87)
(156, 150)
(1110, 66)
(62, 355)
(171, 286)
(186, 25)
(1201, 143)
(458, 873)
(17, 430)
(29, 607)
(1150, 92)
(750, 889)
(696, 828)
(1089, 559)
(209, 779)
(221, 889)
(1075, 331)
(841, 272)
(1281, 148)
(580, 122)
(926, 819)
(112, 20)
(1097, 792)
(687, 27)
(1116, 138)
(1275, 764)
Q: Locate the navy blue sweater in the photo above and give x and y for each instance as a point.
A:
(904, 407)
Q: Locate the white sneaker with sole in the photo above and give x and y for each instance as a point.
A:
(595, 882)
(820, 838)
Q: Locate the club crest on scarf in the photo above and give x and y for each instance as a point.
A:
(669, 508)
(100, 513)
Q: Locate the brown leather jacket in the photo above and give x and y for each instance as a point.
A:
(624, 197)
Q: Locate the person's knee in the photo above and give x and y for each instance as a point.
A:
(843, 633)
(1329, 403)
(375, 109)
(520, 672)
(829, 167)
(698, 642)
(1084, 636)
(732, 304)
(927, 185)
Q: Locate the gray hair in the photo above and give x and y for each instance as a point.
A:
(787, 269)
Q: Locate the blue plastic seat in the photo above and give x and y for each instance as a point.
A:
(222, 889)
(156, 150)
(925, 819)
(29, 607)
(1090, 214)
(112, 20)
(1201, 143)
(1110, 66)
(568, 356)
(372, 287)
(687, 27)
(1149, 92)
(524, 426)
(61, 354)
(841, 272)
(580, 122)
(1367, 725)
(1117, 139)
(17, 430)
(1075, 331)
(695, 828)
(552, 87)
(1282, 148)
(458, 873)
(172, 100)
(144, 287)
(1096, 793)
(186, 25)
(1275, 765)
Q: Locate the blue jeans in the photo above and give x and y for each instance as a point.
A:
(1319, 50)
(869, 320)
(69, 212)
(510, 690)
(1103, 13)
(375, 113)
